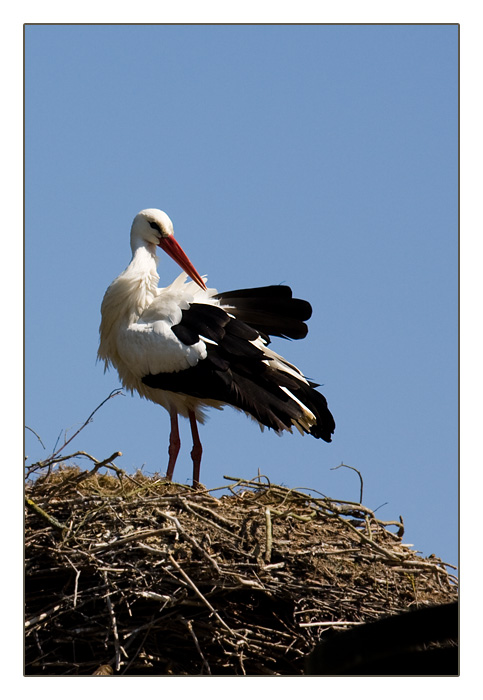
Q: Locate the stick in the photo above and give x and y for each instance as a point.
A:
(116, 392)
(43, 514)
(201, 596)
(355, 470)
(190, 538)
(189, 625)
(269, 534)
(112, 615)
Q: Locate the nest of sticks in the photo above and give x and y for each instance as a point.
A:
(133, 575)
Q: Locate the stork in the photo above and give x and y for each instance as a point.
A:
(188, 348)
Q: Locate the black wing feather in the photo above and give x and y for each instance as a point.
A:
(201, 319)
(271, 310)
(234, 371)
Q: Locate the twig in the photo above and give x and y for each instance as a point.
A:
(43, 514)
(213, 519)
(355, 470)
(392, 556)
(136, 537)
(268, 538)
(116, 392)
(190, 538)
(43, 616)
(189, 625)
(253, 483)
(77, 576)
(332, 623)
(37, 436)
(201, 596)
(110, 607)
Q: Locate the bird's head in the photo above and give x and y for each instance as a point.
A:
(153, 227)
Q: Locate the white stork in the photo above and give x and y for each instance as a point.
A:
(187, 347)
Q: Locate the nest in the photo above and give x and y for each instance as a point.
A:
(133, 575)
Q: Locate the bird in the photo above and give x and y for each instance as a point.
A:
(189, 348)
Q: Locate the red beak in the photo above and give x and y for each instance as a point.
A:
(171, 246)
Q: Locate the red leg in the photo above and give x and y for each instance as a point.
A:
(174, 444)
(197, 450)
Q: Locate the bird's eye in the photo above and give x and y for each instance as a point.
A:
(155, 225)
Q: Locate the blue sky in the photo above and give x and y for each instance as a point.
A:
(324, 157)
